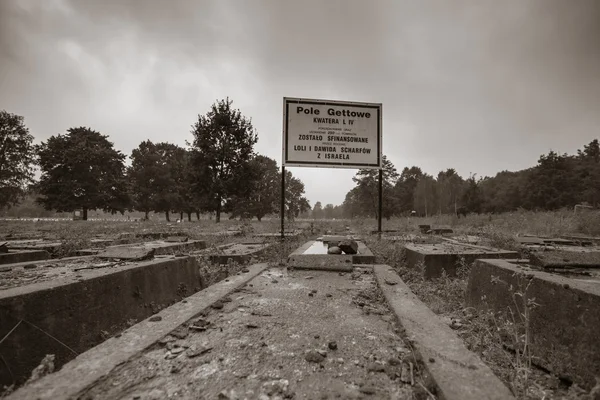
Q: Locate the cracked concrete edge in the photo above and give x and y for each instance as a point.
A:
(458, 373)
(96, 363)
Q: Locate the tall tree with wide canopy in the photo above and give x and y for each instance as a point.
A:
(17, 157)
(263, 191)
(81, 169)
(367, 193)
(222, 147)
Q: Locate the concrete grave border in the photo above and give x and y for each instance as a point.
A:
(77, 311)
(96, 363)
(564, 327)
(435, 262)
(458, 373)
(20, 256)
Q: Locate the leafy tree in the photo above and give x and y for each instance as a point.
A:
(263, 194)
(405, 188)
(449, 189)
(317, 212)
(367, 193)
(295, 202)
(223, 146)
(329, 211)
(16, 158)
(472, 199)
(425, 195)
(159, 178)
(81, 169)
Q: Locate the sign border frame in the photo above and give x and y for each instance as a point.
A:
(298, 100)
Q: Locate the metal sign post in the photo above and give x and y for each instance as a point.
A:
(331, 134)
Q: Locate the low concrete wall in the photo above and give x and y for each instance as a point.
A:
(15, 256)
(457, 372)
(565, 327)
(436, 258)
(95, 364)
(84, 313)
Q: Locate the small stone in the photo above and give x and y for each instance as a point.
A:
(332, 345)
(177, 367)
(195, 352)
(310, 294)
(180, 333)
(313, 356)
(405, 374)
(367, 389)
(322, 352)
(328, 295)
(394, 361)
(309, 277)
(376, 367)
(156, 318)
(342, 274)
(30, 266)
(226, 299)
(251, 326)
(334, 250)
(177, 350)
(390, 282)
(317, 336)
(245, 270)
(217, 305)
(566, 286)
(274, 281)
(314, 291)
(339, 360)
(431, 359)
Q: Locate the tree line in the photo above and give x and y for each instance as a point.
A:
(557, 181)
(218, 172)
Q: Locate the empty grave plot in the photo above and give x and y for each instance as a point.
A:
(161, 247)
(561, 309)
(49, 246)
(241, 253)
(11, 255)
(276, 333)
(64, 307)
(314, 255)
(446, 256)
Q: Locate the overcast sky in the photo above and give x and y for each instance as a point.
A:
(480, 85)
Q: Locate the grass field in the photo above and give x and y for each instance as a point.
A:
(485, 334)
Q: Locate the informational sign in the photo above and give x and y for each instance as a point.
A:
(326, 133)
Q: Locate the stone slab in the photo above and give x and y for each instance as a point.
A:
(566, 259)
(338, 262)
(93, 365)
(564, 328)
(458, 373)
(241, 253)
(83, 310)
(127, 253)
(162, 247)
(176, 239)
(584, 240)
(16, 256)
(364, 256)
(435, 258)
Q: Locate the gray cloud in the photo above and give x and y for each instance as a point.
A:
(481, 86)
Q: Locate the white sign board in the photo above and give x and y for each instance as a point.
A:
(326, 133)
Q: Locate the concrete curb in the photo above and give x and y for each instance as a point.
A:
(21, 256)
(458, 373)
(563, 327)
(98, 362)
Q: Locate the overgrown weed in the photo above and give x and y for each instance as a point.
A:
(501, 339)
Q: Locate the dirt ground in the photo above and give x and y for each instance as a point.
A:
(287, 334)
